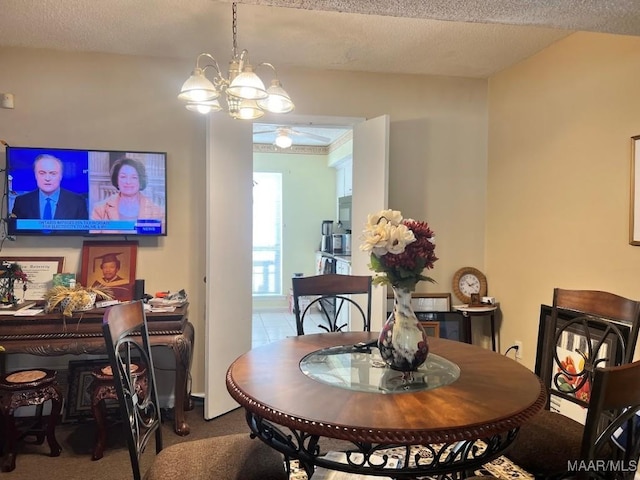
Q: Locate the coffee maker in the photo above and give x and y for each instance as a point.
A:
(326, 244)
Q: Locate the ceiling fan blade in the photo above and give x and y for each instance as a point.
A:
(265, 131)
(312, 136)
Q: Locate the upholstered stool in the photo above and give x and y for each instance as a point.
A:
(103, 388)
(24, 388)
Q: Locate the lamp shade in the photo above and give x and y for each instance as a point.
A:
(204, 107)
(198, 88)
(247, 85)
(283, 140)
(243, 109)
(278, 100)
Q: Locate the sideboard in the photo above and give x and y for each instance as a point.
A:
(51, 335)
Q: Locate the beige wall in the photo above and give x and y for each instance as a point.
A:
(558, 178)
(438, 151)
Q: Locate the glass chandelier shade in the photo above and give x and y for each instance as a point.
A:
(198, 88)
(247, 85)
(247, 98)
(277, 100)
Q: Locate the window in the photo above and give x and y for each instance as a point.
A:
(267, 233)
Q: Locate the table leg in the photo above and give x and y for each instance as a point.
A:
(492, 317)
(183, 351)
(467, 327)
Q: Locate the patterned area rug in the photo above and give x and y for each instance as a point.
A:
(501, 468)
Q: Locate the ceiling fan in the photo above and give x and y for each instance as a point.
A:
(284, 136)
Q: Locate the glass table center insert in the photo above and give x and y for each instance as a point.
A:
(363, 370)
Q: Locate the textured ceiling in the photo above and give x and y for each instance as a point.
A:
(468, 38)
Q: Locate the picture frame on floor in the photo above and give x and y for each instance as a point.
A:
(78, 400)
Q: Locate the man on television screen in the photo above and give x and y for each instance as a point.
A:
(49, 201)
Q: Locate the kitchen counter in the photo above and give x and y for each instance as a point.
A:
(338, 256)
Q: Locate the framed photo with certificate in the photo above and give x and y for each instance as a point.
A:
(39, 271)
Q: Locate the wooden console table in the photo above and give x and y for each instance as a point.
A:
(51, 335)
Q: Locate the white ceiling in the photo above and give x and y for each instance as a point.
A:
(468, 38)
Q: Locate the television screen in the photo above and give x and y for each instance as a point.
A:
(54, 191)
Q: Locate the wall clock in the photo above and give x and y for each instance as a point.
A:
(467, 281)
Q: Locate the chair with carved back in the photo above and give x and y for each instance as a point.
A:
(586, 329)
(227, 457)
(330, 299)
(611, 439)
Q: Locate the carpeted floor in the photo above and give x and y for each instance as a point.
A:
(33, 462)
(75, 462)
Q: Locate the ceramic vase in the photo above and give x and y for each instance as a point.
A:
(403, 341)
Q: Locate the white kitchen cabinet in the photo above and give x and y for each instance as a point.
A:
(343, 267)
(344, 178)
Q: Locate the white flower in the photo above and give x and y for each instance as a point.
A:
(394, 217)
(375, 238)
(400, 237)
(385, 233)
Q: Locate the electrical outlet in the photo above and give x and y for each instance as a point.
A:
(518, 343)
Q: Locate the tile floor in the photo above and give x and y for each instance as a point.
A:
(275, 324)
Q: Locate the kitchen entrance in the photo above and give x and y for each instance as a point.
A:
(293, 188)
(229, 171)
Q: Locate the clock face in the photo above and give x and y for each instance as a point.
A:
(469, 284)
(469, 281)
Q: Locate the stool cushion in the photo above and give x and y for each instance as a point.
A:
(26, 376)
(228, 457)
(26, 379)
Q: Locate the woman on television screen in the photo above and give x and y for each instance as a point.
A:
(128, 203)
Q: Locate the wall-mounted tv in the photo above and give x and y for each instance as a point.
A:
(55, 191)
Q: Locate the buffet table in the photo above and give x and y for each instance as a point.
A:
(53, 335)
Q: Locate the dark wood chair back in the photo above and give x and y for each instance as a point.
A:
(587, 329)
(335, 295)
(615, 403)
(127, 341)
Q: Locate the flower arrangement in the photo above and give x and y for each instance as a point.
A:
(400, 249)
(73, 299)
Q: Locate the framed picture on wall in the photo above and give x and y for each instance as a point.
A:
(634, 210)
(110, 265)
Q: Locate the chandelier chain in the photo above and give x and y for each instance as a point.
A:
(234, 28)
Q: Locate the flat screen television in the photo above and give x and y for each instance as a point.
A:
(55, 191)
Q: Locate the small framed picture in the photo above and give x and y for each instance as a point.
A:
(110, 265)
(475, 300)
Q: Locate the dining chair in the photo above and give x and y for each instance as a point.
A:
(103, 390)
(338, 302)
(229, 457)
(586, 329)
(612, 428)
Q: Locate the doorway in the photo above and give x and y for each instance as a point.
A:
(294, 190)
(229, 172)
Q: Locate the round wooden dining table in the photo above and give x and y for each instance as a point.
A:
(463, 408)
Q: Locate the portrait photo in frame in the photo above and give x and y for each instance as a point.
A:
(110, 265)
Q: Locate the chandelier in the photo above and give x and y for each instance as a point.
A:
(245, 94)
